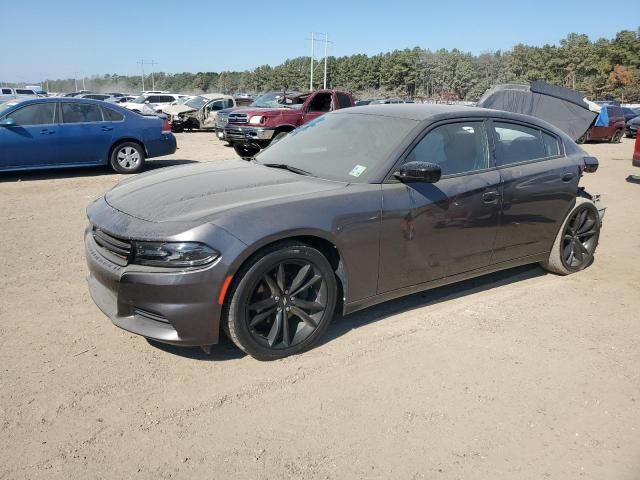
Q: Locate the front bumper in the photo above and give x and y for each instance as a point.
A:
(178, 307)
(248, 135)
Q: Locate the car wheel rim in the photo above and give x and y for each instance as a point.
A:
(128, 157)
(580, 236)
(286, 304)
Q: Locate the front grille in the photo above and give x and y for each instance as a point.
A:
(237, 117)
(222, 119)
(115, 249)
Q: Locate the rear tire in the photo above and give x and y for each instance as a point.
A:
(616, 136)
(127, 157)
(281, 301)
(577, 239)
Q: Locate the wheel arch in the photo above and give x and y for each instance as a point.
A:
(284, 128)
(315, 239)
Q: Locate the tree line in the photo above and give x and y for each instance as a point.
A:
(602, 69)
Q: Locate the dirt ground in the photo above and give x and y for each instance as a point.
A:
(520, 374)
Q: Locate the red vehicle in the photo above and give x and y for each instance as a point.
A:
(611, 133)
(636, 153)
(250, 130)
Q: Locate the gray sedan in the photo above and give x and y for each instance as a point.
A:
(355, 208)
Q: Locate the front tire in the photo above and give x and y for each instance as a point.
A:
(127, 157)
(245, 151)
(577, 239)
(281, 302)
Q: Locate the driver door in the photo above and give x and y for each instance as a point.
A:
(435, 230)
(210, 111)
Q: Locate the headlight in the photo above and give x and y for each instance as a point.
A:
(256, 120)
(173, 254)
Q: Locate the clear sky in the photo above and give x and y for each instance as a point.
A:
(67, 38)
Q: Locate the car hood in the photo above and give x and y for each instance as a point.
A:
(265, 110)
(176, 109)
(207, 190)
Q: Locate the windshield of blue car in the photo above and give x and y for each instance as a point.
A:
(140, 99)
(345, 147)
(196, 103)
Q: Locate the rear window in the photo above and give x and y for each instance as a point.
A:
(81, 113)
(343, 100)
(21, 91)
(517, 143)
(112, 115)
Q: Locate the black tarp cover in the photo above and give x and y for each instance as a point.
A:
(561, 107)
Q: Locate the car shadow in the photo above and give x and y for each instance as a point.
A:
(63, 173)
(224, 350)
(342, 325)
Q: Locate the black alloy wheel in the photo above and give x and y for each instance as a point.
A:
(287, 305)
(283, 300)
(580, 238)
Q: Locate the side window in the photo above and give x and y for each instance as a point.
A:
(321, 103)
(517, 143)
(21, 91)
(38, 114)
(112, 115)
(166, 99)
(551, 147)
(6, 91)
(456, 147)
(154, 99)
(343, 100)
(81, 113)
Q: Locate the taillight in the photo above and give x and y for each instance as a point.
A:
(166, 127)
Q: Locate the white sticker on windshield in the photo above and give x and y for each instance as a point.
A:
(357, 171)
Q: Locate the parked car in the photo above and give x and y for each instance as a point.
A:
(71, 132)
(357, 207)
(636, 153)
(7, 93)
(249, 130)
(75, 94)
(198, 112)
(612, 128)
(630, 113)
(266, 100)
(155, 102)
(363, 102)
(99, 96)
(632, 126)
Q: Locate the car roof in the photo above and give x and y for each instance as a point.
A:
(422, 112)
(211, 96)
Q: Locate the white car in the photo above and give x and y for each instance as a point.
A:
(7, 93)
(152, 103)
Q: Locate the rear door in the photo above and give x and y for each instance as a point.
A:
(434, 230)
(34, 141)
(85, 136)
(539, 186)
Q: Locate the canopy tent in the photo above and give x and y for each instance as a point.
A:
(561, 107)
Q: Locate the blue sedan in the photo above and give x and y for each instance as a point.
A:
(73, 132)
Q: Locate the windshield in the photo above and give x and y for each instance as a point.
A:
(197, 102)
(140, 99)
(345, 147)
(268, 100)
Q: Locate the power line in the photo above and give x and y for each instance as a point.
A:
(326, 46)
(142, 62)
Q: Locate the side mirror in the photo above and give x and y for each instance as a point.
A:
(8, 122)
(146, 101)
(419, 172)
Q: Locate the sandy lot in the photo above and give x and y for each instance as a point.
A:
(520, 374)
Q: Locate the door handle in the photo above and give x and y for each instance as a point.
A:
(568, 177)
(107, 129)
(490, 197)
(46, 131)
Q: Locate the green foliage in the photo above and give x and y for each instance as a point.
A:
(601, 69)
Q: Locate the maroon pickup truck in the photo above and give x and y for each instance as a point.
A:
(251, 129)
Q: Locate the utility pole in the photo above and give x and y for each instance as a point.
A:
(153, 80)
(326, 41)
(312, 58)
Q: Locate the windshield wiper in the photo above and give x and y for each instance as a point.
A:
(284, 166)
